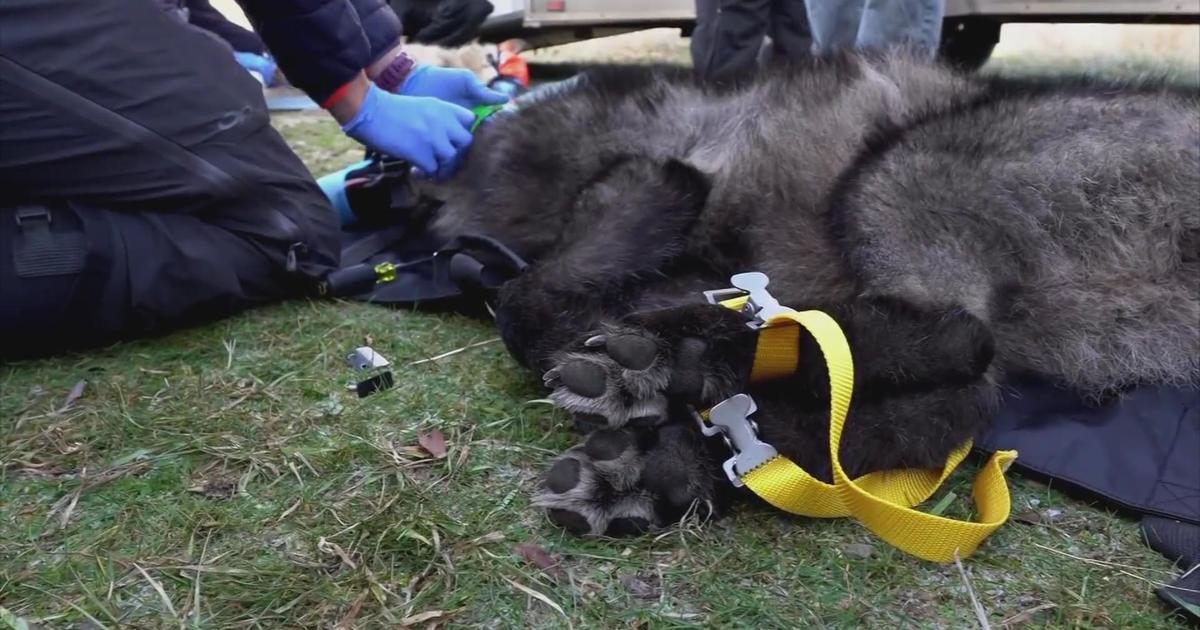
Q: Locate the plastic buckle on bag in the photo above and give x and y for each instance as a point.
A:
(760, 304)
(29, 213)
(731, 420)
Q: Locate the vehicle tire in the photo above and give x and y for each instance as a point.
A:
(967, 43)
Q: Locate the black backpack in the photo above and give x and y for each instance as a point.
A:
(390, 256)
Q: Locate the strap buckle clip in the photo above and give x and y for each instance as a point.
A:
(731, 420)
(760, 304)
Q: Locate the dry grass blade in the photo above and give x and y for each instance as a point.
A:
(65, 506)
(72, 396)
(455, 351)
(1025, 615)
(230, 350)
(65, 516)
(355, 608)
(196, 602)
(980, 613)
(432, 617)
(541, 598)
(1102, 563)
(288, 512)
(332, 547)
(158, 589)
(73, 606)
(492, 537)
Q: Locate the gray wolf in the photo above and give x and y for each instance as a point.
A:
(961, 229)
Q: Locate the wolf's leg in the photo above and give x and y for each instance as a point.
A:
(624, 373)
(628, 230)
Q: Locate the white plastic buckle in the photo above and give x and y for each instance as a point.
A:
(731, 420)
(760, 304)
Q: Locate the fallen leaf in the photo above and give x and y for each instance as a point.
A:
(539, 558)
(433, 442)
(858, 550)
(639, 588)
(72, 396)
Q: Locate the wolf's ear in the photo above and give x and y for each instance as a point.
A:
(688, 180)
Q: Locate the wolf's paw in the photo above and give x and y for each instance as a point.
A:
(622, 483)
(616, 378)
(624, 374)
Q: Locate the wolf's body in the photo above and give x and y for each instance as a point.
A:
(961, 230)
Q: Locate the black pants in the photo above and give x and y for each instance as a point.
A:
(729, 34)
(142, 185)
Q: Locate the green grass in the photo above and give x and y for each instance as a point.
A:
(224, 477)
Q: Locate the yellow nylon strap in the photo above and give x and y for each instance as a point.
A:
(881, 501)
(776, 355)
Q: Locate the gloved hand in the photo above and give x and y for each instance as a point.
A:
(424, 131)
(455, 85)
(262, 64)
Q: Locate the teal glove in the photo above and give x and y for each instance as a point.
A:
(426, 132)
(453, 85)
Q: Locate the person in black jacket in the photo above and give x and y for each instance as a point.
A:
(247, 47)
(202, 14)
(143, 187)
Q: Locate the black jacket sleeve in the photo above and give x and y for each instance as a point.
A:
(380, 23)
(201, 14)
(322, 45)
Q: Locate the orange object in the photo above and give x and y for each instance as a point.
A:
(514, 66)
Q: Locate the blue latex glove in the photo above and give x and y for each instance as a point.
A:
(262, 64)
(426, 132)
(455, 85)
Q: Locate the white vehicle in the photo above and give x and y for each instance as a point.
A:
(970, 31)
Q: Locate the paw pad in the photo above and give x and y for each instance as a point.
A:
(618, 376)
(609, 486)
(633, 352)
(584, 378)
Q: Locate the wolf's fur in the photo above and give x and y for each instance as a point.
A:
(961, 229)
